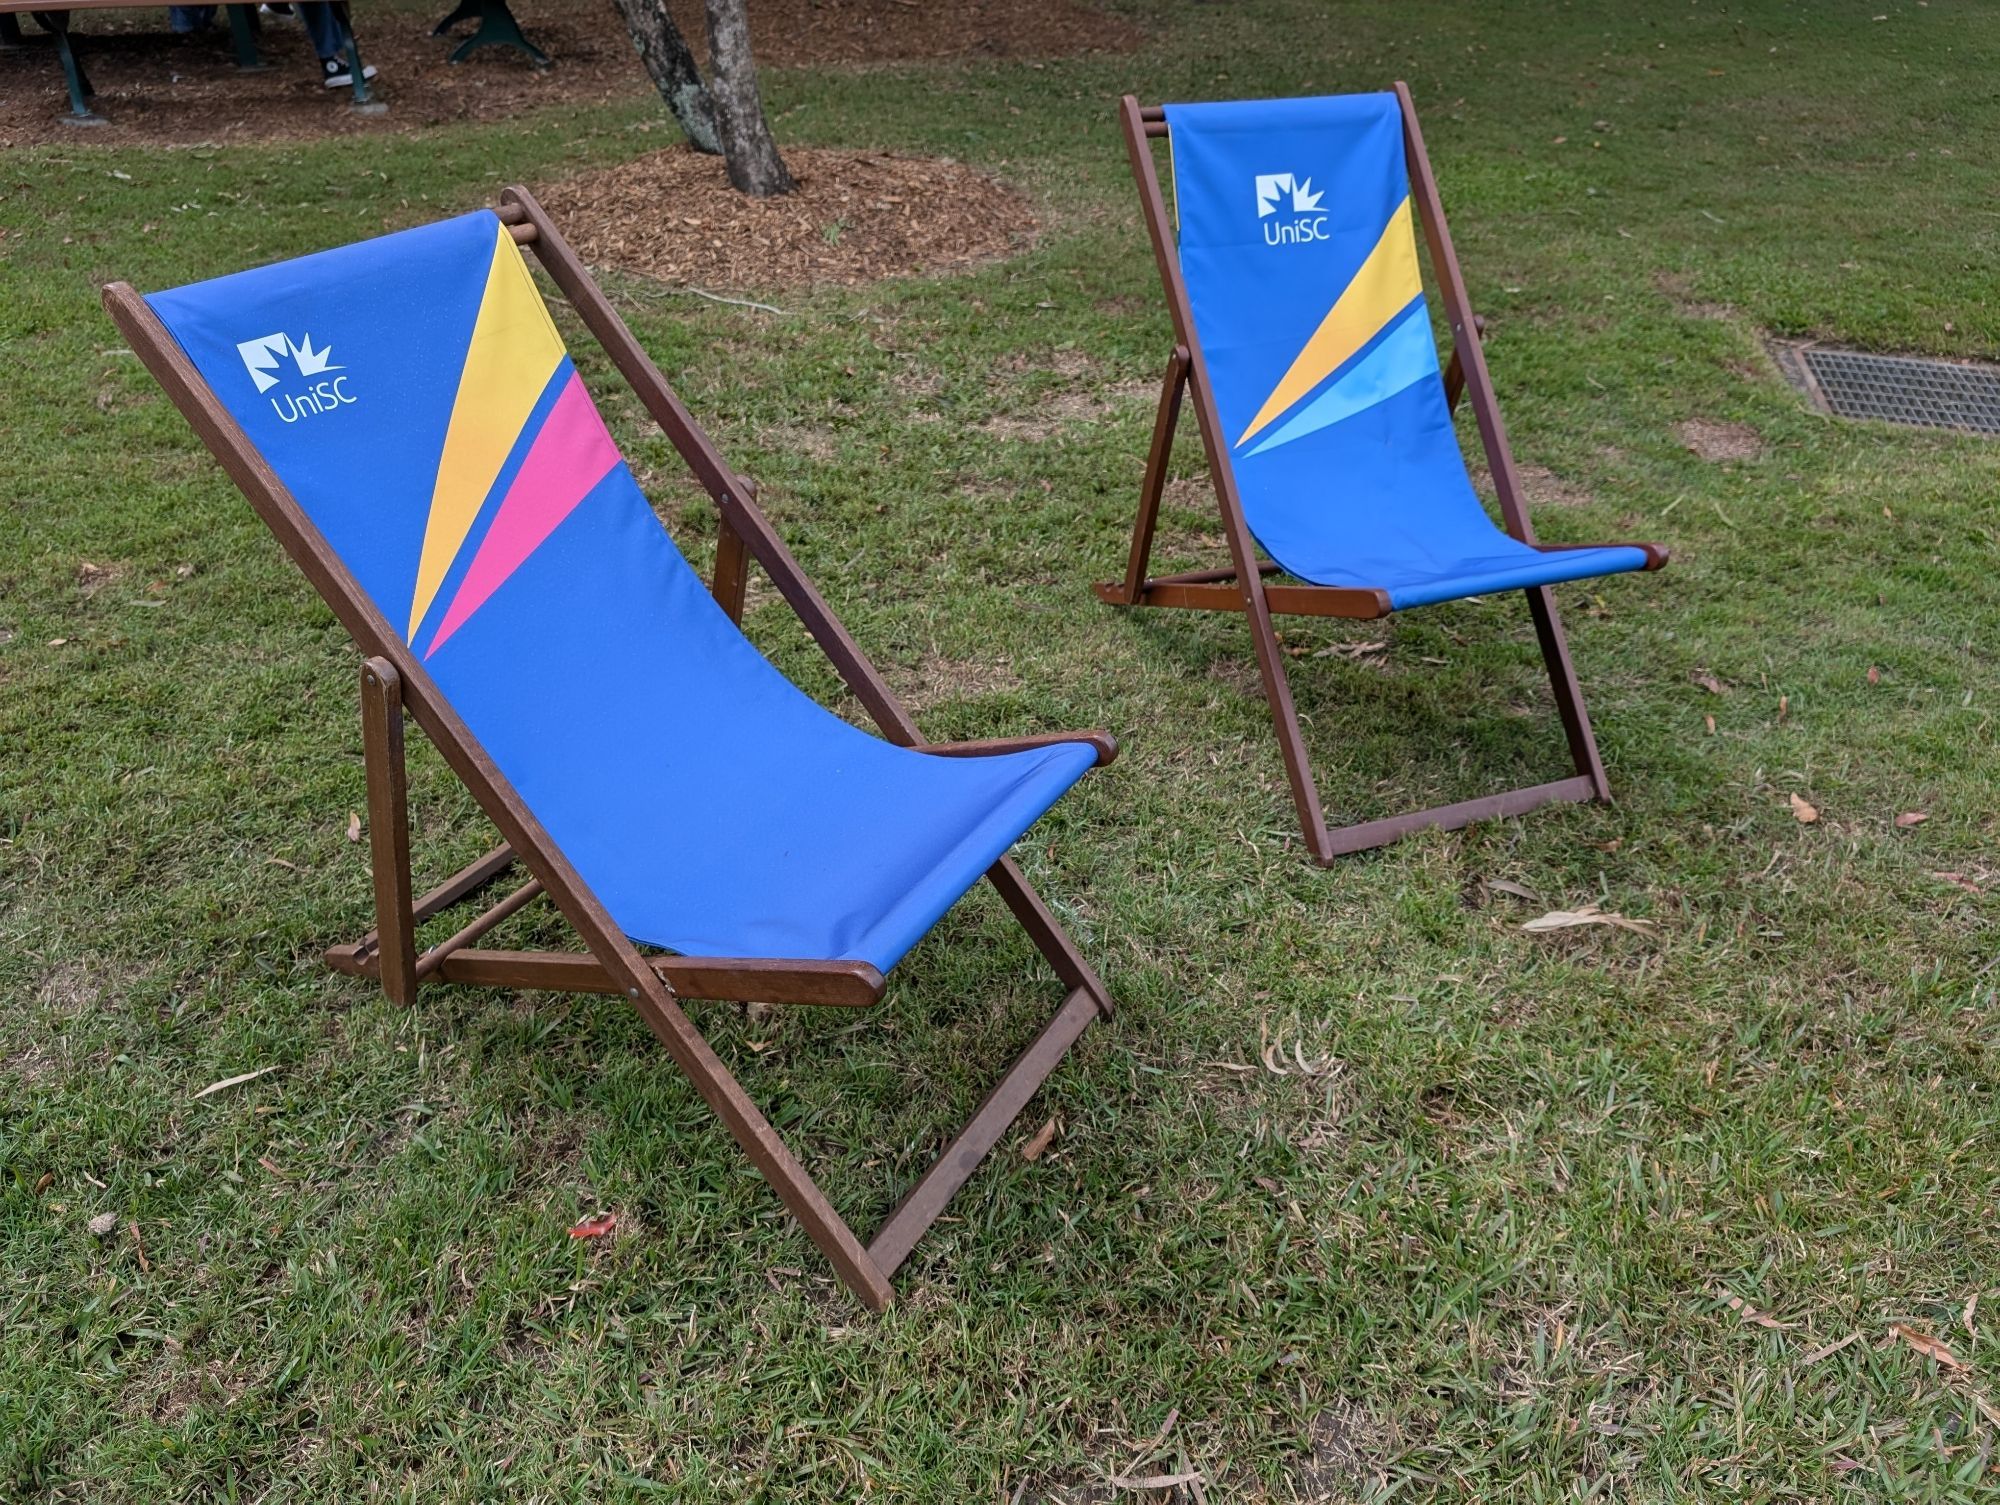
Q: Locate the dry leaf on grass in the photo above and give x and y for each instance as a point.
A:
(1959, 880)
(1751, 1315)
(1518, 890)
(104, 1224)
(232, 1081)
(1912, 818)
(1156, 1481)
(1037, 1147)
(1802, 811)
(1711, 684)
(1590, 914)
(1928, 1346)
(595, 1227)
(1828, 1350)
(353, 826)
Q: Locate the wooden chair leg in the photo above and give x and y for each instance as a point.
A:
(389, 827)
(1154, 486)
(1568, 693)
(732, 572)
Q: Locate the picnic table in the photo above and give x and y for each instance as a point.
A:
(242, 30)
(497, 28)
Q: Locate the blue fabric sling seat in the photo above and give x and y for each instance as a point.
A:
(414, 396)
(1297, 245)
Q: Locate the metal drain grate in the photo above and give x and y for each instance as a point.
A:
(1903, 389)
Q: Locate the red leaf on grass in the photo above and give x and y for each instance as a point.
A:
(595, 1227)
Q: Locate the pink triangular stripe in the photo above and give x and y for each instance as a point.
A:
(571, 454)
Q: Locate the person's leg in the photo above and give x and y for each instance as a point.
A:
(331, 40)
(323, 26)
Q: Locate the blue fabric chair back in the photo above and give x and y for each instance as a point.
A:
(1297, 244)
(415, 398)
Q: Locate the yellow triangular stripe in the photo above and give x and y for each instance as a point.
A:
(514, 351)
(1384, 286)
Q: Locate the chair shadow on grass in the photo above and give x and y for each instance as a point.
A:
(1387, 730)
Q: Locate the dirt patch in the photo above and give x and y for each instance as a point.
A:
(1051, 412)
(1543, 487)
(936, 679)
(857, 217)
(1345, 1448)
(160, 89)
(1678, 288)
(1713, 440)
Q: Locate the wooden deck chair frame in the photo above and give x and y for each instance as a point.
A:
(1241, 587)
(393, 682)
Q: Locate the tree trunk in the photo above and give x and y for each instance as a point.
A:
(755, 167)
(670, 65)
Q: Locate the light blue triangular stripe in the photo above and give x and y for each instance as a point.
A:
(1405, 356)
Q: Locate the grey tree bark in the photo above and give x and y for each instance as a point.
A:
(671, 67)
(755, 167)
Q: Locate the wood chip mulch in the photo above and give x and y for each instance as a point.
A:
(856, 217)
(158, 89)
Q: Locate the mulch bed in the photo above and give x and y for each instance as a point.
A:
(155, 88)
(810, 33)
(856, 217)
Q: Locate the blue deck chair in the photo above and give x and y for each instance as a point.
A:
(1306, 345)
(404, 416)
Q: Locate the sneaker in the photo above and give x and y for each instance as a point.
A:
(335, 74)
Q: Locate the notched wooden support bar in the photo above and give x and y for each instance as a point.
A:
(719, 979)
(518, 900)
(1375, 833)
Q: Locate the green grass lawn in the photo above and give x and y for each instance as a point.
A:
(1491, 1249)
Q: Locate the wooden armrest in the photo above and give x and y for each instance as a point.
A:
(1104, 743)
(1657, 554)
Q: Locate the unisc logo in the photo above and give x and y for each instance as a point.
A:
(265, 357)
(1283, 193)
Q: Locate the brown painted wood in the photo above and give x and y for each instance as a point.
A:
(1207, 590)
(1154, 485)
(613, 963)
(515, 902)
(1242, 548)
(468, 881)
(649, 993)
(719, 979)
(1656, 554)
(1214, 577)
(1375, 833)
(1465, 332)
(1103, 743)
(388, 829)
(1280, 600)
(732, 571)
(1047, 933)
(923, 1203)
